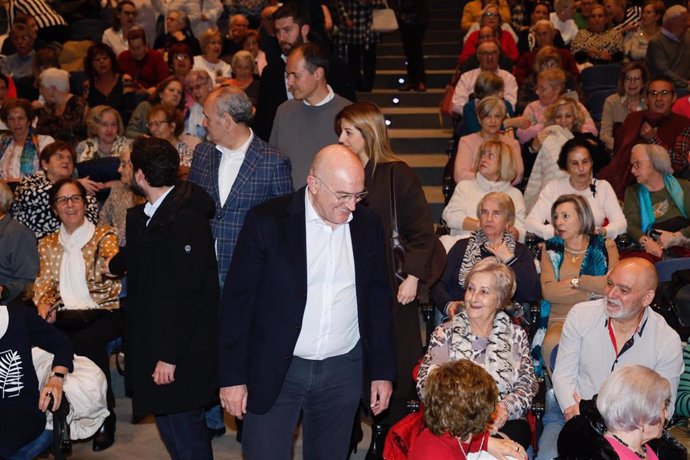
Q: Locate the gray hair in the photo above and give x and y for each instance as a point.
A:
(489, 103)
(504, 277)
(5, 198)
(55, 77)
(582, 209)
(195, 75)
(545, 23)
(235, 103)
(658, 155)
(673, 12)
(503, 200)
(239, 55)
(632, 396)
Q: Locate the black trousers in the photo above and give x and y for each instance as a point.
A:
(412, 36)
(90, 332)
(362, 62)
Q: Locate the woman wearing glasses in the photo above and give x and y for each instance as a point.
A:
(362, 128)
(169, 91)
(629, 98)
(71, 291)
(166, 122)
(31, 204)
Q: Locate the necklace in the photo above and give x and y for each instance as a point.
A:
(462, 449)
(642, 448)
(575, 255)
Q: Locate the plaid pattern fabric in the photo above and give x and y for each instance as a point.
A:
(264, 174)
(681, 150)
(359, 13)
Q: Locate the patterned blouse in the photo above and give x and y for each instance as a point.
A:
(68, 127)
(102, 245)
(114, 210)
(522, 382)
(31, 205)
(610, 41)
(90, 148)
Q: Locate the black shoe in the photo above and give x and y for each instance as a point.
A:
(215, 433)
(406, 87)
(136, 419)
(105, 436)
(378, 438)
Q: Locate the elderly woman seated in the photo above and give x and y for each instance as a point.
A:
(483, 333)
(657, 206)
(18, 254)
(491, 238)
(71, 290)
(459, 402)
(62, 115)
(32, 205)
(19, 149)
(576, 160)
(106, 135)
(624, 421)
(495, 171)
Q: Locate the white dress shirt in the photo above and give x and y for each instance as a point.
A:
(330, 325)
(151, 208)
(465, 87)
(230, 164)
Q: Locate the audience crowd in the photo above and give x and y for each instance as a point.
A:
(204, 193)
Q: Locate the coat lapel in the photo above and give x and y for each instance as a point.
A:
(359, 234)
(296, 234)
(252, 159)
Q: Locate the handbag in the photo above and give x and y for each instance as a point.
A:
(446, 105)
(383, 20)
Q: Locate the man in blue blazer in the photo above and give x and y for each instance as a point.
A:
(306, 318)
(236, 168)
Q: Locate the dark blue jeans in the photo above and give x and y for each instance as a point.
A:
(185, 435)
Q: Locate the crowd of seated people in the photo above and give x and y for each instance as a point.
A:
(538, 158)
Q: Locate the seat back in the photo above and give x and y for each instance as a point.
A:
(598, 77)
(595, 102)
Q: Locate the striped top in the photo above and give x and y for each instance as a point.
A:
(44, 15)
(633, 14)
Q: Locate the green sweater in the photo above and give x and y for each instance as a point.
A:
(664, 208)
(683, 398)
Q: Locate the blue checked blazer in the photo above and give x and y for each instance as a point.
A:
(264, 174)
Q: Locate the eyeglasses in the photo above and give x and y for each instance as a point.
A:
(181, 57)
(637, 164)
(631, 78)
(155, 124)
(489, 14)
(343, 197)
(663, 92)
(130, 13)
(62, 200)
(488, 53)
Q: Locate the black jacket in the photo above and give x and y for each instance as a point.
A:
(173, 300)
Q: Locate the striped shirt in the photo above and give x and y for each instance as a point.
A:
(633, 14)
(44, 15)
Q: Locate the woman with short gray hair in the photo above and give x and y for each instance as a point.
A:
(631, 410)
(657, 206)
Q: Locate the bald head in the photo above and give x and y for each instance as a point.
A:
(644, 270)
(335, 184)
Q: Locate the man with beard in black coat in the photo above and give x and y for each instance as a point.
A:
(172, 300)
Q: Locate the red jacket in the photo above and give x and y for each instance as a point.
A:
(148, 72)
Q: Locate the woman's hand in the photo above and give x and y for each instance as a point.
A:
(454, 307)
(46, 312)
(52, 387)
(504, 448)
(668, 239)
(92, 187)
(407, 291)
(517, 123)
(652, 247)
(500, 418)
(500, 250)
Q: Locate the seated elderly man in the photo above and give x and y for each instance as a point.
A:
(668, 53)
(602, 335)
(20, 64)
(544, 35)
(656, 125)
(468, 57)
(487, 54)
(18, 253)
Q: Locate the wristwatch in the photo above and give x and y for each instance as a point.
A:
(57, 374)
(575, 283)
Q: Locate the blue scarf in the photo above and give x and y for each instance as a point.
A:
(29, 156)
(595, 263)
(673, 188)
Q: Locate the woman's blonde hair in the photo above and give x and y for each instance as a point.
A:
(506, 165)
(489, 103)
(550, 112)
(367, 118)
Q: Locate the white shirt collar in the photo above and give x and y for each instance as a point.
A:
(242, 148)
(151, 208)
(310, 213)
(325, 100)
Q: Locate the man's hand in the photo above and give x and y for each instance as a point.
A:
(164, 373)
(407, 291)
(573, 410)
(234, 400)
(647, 131)
(381, 391)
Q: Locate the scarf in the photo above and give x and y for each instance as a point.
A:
(473, 252)
(672, 187)
(498, 361)
(595, 263)
(28, 158)
(73, 288)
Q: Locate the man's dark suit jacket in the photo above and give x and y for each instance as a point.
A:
(265, 297)
(272, 91)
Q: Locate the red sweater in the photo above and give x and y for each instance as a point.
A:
(148, 72)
